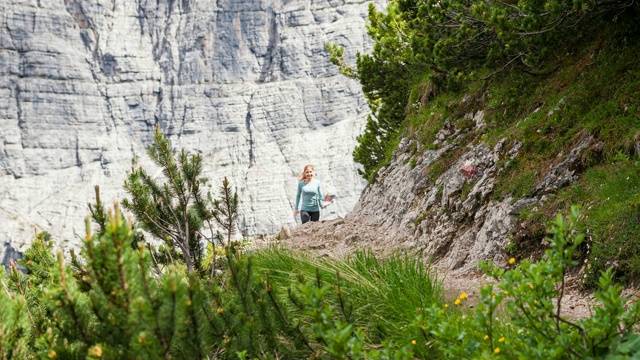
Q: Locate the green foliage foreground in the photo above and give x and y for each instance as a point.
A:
(121, 299)
(119, 306)
(532, 326)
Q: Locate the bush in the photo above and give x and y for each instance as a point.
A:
(533, 326)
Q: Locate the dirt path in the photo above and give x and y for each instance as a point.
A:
(340, 237)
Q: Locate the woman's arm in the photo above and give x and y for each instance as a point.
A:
(320, 196)
(297, 200)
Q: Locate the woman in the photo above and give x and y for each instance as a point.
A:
(310, 191)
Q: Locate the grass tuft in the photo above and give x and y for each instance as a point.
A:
(382, 295)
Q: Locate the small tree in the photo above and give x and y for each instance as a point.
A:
(225, 213)
(385, 75)
(176, 210)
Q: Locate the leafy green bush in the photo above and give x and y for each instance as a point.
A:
(533, 325)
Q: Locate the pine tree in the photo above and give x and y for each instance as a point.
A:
(116, 305)
(112, 301)
(175, 210)
(15, 327)
(385, 75)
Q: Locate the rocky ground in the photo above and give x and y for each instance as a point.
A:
(340, 237)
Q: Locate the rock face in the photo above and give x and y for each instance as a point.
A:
(445, 213)
(247, 84)
(451, 216)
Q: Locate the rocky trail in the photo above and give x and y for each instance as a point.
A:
(340, 237)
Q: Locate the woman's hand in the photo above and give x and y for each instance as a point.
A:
(295, 213)
(328, 197)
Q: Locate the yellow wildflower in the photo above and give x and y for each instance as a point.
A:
(486, 337)
(52, 354)
(446, 305)
(501, 339)
(531, 286)
(506, 292)
(512, 261)
(413, 342)
(220, 310)
(497, 350)
(463, 296)
(95, 351)
(457, 302)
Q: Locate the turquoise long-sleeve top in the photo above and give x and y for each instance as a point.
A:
(311, 195)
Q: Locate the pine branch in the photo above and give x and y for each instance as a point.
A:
(98, 213)
(147, 291)
(14, 274)
(118, 246)
(191, 313)
(69, 298)
(172, 290)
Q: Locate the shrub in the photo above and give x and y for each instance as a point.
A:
(533, 326)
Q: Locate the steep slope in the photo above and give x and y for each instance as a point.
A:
(478, 173)
(454, 219)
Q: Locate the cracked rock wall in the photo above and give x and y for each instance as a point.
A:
(247, 84)
(453, 218)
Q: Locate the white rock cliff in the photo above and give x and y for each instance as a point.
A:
(247, 84)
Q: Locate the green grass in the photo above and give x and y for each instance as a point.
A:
(435, 170)
(423, 125)
(518, 180)
(379, 295)
(610, 196)
(384, 297)
(467, 186)
(418, 220)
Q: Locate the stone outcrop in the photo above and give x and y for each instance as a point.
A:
(449, 214)
(453, 219)
(247, 84)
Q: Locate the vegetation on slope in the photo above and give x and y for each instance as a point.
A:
(545, 74)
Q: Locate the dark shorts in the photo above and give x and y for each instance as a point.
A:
(305, 216)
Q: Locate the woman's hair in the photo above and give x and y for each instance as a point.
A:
(305, 169)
